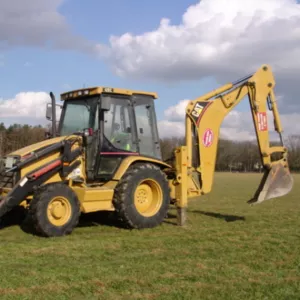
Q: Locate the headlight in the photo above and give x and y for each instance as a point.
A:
(10, 161)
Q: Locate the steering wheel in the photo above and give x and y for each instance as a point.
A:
(116, 126)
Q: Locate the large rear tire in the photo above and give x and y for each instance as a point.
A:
(54, 210)
(142, 196)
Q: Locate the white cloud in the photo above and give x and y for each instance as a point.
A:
(169, 129)
(176, 112)
(30, 108)
(219, 38)
(236, 125)
(212, 37)
(236, 134)
(26, 107)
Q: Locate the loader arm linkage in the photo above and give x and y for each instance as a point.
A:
(26, 186)
(195, 161)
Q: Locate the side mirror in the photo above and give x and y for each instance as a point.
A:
(49, 111)
(105, 103)
(49, 115)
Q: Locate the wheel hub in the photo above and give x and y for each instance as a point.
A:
(148, 198)
(59, 211)
(143, 194)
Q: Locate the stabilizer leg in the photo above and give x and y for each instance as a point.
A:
(181, 184)
(181, 216)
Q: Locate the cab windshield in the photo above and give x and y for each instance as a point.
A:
(79, 114)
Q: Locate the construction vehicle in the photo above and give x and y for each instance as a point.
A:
(105, 156)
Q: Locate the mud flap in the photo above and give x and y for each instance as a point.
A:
(276, 182)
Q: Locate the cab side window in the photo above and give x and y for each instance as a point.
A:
(146, 126)
(117, 125)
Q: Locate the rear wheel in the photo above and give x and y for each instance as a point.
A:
(54, 210)
(142, 196)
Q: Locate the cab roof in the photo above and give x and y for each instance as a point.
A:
(99, 90)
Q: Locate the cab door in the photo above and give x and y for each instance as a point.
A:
(146, 125)
(119, 138)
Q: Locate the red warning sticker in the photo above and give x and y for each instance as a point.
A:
(262, 121)
(208, 137)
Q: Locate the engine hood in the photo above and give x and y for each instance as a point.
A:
(31, 148)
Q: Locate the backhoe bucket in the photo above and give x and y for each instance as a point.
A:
(276, 182)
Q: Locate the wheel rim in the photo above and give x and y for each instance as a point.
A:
(148, 197)
(59, 211)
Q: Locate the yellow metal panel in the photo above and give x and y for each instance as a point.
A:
(110, 184)
(181, 176)
(94, 199)
(192, 186)
(207, 114)
(47, 159)
(88, 207)
(25, 150)
(209, 121)
(44, 161)
(129, 160)
(172, 189)
(100, 90)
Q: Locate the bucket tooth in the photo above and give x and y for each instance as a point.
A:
(276, 182)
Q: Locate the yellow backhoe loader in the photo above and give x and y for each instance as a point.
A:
(105, 156)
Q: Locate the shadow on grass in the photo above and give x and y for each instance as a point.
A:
(13, 218)
(100, 218)
(17, 217)
(110, 219)
(227, 218)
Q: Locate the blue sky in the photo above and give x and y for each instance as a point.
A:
(61, 45)
(42, 69)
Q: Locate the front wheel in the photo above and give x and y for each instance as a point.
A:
(54, 210)
(142, 196)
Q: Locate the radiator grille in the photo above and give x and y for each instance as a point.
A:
(7, 179)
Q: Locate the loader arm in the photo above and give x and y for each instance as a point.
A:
(195, 162)
(27, 185)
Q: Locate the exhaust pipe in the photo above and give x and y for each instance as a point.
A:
(53, 103)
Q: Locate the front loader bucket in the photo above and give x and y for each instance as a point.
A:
(276, 182)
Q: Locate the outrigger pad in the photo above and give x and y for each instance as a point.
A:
(276, 182)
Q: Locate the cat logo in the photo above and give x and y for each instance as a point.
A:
(108, 90)
(197, 110)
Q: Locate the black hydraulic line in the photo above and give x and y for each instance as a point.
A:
(35, 178)
(242, 79)
(22, 189)
(37, 156)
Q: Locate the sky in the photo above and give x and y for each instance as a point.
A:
(179, 49)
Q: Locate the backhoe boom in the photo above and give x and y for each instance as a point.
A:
(204, 117)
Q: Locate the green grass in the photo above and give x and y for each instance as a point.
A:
(228, 250)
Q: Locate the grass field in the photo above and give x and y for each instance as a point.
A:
(228, 250)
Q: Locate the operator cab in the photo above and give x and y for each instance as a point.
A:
(121, 123)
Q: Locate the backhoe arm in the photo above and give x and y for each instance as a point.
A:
(195, 162)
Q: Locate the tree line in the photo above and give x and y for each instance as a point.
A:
(232, 156)
(17, 136)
